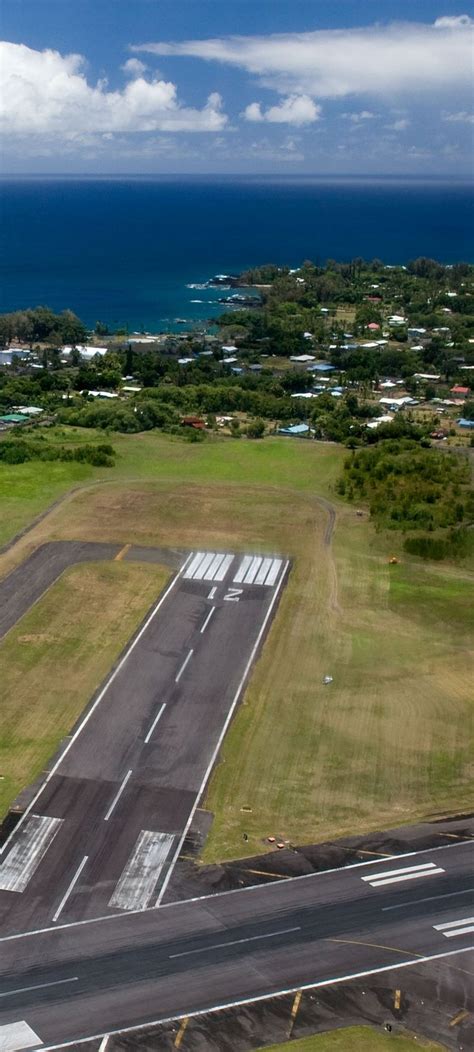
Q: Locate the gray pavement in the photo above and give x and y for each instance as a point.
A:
(113, 809)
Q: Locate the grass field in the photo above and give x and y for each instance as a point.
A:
(356, 1039)
(390, 739)
(59, 653)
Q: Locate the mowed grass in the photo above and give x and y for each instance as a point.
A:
(390, 739)
(356, 1039)
(56, 657)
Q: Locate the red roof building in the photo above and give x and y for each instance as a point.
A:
(460, 390)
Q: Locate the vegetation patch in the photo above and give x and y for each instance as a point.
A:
(58, 654)
(356, 1039)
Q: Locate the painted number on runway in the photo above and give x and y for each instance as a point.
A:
(233, 595)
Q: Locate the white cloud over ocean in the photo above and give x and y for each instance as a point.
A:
(398, 59)
(47, 93)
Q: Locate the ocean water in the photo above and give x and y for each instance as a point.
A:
(124, 250)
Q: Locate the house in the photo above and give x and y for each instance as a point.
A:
(296, 430)
(398, 403)
(373, 424)
(460, 391)
(321, 367)
(397, 319)
(373, 325)
(193, 421)
(302, 358)
(466, 423)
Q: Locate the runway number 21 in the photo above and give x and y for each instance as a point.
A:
(233, 595)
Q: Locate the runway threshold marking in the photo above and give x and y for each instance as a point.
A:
(183, 666)
(31, 845)
(70, 888)
(39, 986)
(16, 1036)
(118, 795)
(155, 721)
(181, 1032)
(394, 876)
(458, 927)
(123, 551)
(208, 618)
(234, 942)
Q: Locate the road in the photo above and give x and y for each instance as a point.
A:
(84, 980)
(104, 830)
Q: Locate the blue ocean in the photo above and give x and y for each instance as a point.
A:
(124, 250)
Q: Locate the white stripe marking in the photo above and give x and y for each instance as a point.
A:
(223, 733)
(93, 707)
(252, 570)
(395, 872)
(241, 891)
(70, 888)
(183, 666)
(202, 571)
(216, 562)
(155, 721)
(430, 898)
(219, 576)
(193, 565)
(31, 845)
(39, 986)
(242, 570)
(410, 876)
(141, 873)
(273, 572)
(235, 942)
(458, 931)
(262, 573)
(15, 1036)
(271, 993)
(104, 1043)
(453, 924)
(117, 796)
(212, 593)
(208, 618)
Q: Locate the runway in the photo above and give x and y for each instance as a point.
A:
(80, 981)
(103, 832)
(84, 952)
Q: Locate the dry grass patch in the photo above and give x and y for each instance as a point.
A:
(57, 656)
(356, 1039)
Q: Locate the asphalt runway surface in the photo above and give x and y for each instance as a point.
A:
(84, 952)
(85, 980)
(102, 833)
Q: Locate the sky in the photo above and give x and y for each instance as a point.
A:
(287, 87)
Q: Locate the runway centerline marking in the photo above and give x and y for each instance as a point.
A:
(70, 888)
(430, 898)
(39, 986)
(155, 721)
(235, 942)
(118, 795)
(208, 618)
(183, 666)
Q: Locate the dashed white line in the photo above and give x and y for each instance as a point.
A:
(117, 796)
(208, 618)
(430, 898)
(183, 666)
(235, 942)
(155, 721)
(70, 888)
(39, 986)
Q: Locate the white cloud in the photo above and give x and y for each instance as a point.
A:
(46, 93)
(356, 118)
(400, 125)
(296, 109)
(461, 117)
(134, 68)
(382, 60)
